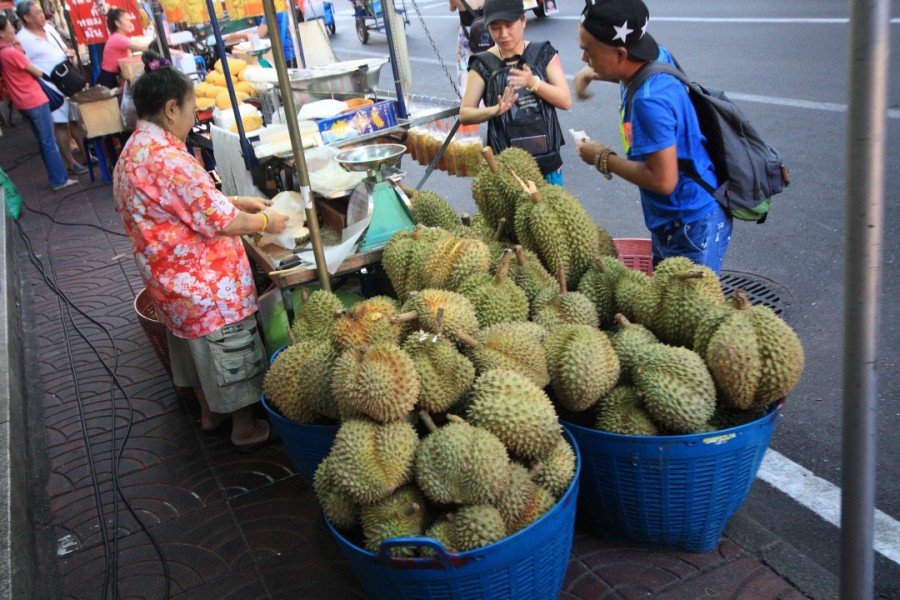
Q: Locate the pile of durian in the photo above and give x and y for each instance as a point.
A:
(448, 395)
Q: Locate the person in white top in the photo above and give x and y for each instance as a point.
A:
(45, 49)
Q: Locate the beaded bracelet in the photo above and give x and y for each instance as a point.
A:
(601, 161)
(265, 222)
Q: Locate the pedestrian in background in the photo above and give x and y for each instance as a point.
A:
(683, 218)
(119, 45)
(27, 96)
(468, 11)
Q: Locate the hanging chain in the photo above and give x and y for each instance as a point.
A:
(436, 51)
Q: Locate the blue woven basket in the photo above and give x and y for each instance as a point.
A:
(307, 445)
(672, 491)
(529, 564)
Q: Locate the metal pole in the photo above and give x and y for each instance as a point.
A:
(290, 113)
(864, 214)
(71, 27)
(387, 6)
(299, 59)
(161, 34)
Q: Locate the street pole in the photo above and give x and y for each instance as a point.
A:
(864, 214)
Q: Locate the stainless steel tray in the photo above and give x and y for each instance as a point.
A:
(352, 76)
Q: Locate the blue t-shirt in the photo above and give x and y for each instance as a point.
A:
(284, 29)
(663, 116)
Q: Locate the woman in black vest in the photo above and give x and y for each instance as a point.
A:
(521, 84)
(468, 11)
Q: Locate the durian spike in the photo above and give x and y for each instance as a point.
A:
(692, 274)
(465, 219)
(561, 275)
(600, 264)
(501, 225)
(429, 422)
(741, 299)
(520, 255)
(405, 317)
(503, 268)
(621, 321)
(440, 324)
(488, 155)
(467, 339)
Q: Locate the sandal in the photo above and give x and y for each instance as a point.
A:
(270, 439)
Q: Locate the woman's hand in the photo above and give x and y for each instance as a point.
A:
(506, 101)
(521, 78)
(277, 221)
(250, 204)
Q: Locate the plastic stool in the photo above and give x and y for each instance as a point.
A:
(97, 145)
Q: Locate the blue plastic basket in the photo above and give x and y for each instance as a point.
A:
(307, 445)
(673, 491)
(529, 564)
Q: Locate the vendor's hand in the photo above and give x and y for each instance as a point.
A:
(250, 204)
(588, 149)
(521, 78)
(506, 101)
(581, 81)
(277, 221)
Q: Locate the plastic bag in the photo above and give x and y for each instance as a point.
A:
(290, 204)
(13, 198)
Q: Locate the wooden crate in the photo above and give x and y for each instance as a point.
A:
(131, 67)
(100, 118)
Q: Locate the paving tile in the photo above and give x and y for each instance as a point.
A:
(312, 572)
(744, 578)
(245, 584)
(240, 474)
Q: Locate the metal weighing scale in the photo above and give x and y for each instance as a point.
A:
(378, 196)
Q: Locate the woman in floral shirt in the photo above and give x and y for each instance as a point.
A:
(187, 246)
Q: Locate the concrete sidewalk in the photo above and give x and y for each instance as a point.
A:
(195, 519)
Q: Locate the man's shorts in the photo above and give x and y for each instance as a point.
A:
(228, 364)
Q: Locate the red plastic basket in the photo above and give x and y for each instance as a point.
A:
(154, 329)
(636, 253)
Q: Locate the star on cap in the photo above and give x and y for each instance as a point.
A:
(622, 32)
(644, 28)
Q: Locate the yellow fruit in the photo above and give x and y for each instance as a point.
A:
(245, 87)
(235, 66)
(205, 103)
(223, 100)
(251, 123)
(215, 78)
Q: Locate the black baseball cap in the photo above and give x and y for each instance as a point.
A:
(621, 23)
(503, 10)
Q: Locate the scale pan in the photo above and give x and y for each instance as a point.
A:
(366, 158)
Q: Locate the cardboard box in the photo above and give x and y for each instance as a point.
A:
(100, 118)
(354, 123)
(131, 67)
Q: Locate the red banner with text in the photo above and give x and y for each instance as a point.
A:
(89, 18)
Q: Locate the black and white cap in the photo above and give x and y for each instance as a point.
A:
(621, 23)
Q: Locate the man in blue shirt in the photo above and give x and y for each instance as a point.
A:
(284, 30)
(683, 218)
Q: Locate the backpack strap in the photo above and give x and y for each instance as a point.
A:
(644, 73)
(469, 9)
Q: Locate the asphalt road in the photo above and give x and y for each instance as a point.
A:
(787, 66)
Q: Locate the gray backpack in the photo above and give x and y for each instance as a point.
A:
(749, 170)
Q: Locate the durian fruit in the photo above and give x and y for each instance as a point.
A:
(337, 505)
(370, 460)
(726, 417)
(678, 296)
(450, 262)
(530, 275)
(553, 309)
(461, 464)
(402, 514)
(631, 288)
(444, 373)
(583, 365)
(556, 227)
(423, 307)
(555, 470)
(678, 390)
(599, 285)
(517, 346)
(404, 257)
(476, 526)
(496, 188)
(622, 411)
(606, 245)
(627, 341)
(316, 316)
(366, 323)
(754, 356)
(495, 298)
(514, 409)
(378, 381)
(284, 384)
(315, 367)
(523, 501)
(433, 211)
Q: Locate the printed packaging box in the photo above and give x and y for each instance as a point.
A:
(354, 123)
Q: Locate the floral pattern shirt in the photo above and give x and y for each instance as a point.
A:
(198, 277)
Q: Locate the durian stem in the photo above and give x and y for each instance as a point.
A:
(465, 219)
(692, 274)
(561, 275)
(621, 321)
(291, 336)
(741, 299)
(304, 294)
(533, 192)
(503, 268)
(501, 226)
(440, 322)
(429, 422)
(455, 419)
(467, 339)
(339, 313)
(520, 255)
(417, 232)
(405, 317)
(491, 160)
(408, 190)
